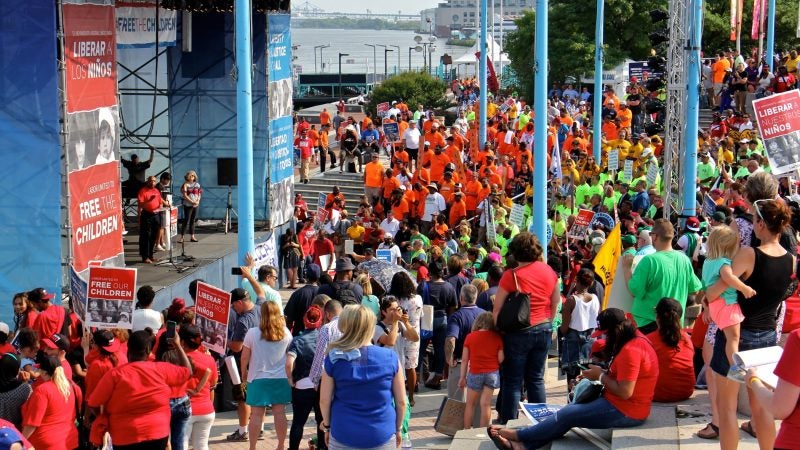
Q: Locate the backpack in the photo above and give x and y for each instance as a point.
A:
(344, 294)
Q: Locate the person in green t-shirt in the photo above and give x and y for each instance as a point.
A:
(706, 171)
(665, 273)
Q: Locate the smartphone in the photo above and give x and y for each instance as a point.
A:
(171, 329)
(236, 270)
(582, 367)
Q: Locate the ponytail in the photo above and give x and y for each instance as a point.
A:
(668, 316)
(61, 382)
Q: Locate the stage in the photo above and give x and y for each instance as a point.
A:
(213, 256)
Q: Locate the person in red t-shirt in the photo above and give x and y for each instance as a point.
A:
(48, 418)
(323, 246)
(782, 401)
(675, 354)
(628, 384)
(51, 317)
(5, 347)
(150, 203)
(136, 395)
(203, 380)
(481, 357)
(306, 147)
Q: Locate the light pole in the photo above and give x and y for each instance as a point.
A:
(417, 49)
(385, 65)
(418, 40)
(431, 48)
(340, 72)
(398, 56)
(374, 59)
(320, 47)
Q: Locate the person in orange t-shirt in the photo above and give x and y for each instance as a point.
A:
(399, 206)
(374, 174)
(458, 209)
(471, 194)
(400, 155)
(438, 162)
(447, 187)
(390, 183)
(366, 120)
(423, 174)
(434, 137)
(313, 135)
(324, 117)
(609, 129)
(625, 116)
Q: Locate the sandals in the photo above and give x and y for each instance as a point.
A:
(713, 434)
(496, 438)
(747, 427)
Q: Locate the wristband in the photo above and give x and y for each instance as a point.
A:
(752, 380)
(600, 378)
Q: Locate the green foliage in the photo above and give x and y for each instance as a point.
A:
(716, 28)
(413, 87)
(347, 23)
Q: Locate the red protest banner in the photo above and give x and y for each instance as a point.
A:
(778, 118)
(95, 214)
(581, 224)
(212, 306)
(90, 53)
(110, 292)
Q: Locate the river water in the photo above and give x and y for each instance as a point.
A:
(360, 59)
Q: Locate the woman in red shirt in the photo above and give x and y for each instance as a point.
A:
(24, 312)
(48, 418)
(675, 354)
(526, 350)
(200, 388)
(136, 395)
(628, 390)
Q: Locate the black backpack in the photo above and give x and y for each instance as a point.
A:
(344, 294)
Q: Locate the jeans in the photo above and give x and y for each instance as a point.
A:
(575, 347)
(749, 339)
(597, 414)
(180, 413)
(154, 444)
(525, 360)
(302, 405)
(439, 335)
(198, 431)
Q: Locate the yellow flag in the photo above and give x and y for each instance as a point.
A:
(605, 262)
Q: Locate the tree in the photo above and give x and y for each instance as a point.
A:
(414, 88)
(716, 26)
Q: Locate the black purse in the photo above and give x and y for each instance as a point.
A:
(515, 314)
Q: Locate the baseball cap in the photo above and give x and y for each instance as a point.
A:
(39, 294)
(238, 294)
(105, 339)
(629, 239)
(693, 224)
(313, 271)
(9, 436)
(4, 328)
(719, 216)
(56, 342)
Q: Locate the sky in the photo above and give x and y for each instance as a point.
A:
(376, 6)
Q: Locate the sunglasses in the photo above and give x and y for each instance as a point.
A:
(758, 210)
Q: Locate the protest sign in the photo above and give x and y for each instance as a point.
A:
(265, 254)
(652, 174)
(349, 246)
(778, 118)
(110, 295)
(383, 109)
(613, 159)
(517, 216)
(580, 227)
(392, 131)
(384, 255)
(604, 219)
(212, 306)
(628, 174)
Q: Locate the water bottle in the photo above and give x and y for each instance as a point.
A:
(406, 443)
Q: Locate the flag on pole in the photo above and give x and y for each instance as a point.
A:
(555, 161)
(757, 9)
(605, 262)
(734, 15)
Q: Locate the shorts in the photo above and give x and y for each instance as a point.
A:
(749, 339)
(725, 315)
(269, 391)
(411, 352)
(478, 381)
(718, 88)
(413, 153)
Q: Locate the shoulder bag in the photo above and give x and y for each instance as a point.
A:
(515, 314)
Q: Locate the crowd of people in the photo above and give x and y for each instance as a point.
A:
(465, 299)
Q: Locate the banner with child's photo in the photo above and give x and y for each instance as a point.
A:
(110, 294)
(212, 306)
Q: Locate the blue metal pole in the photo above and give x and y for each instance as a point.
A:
(540, 126)
(244, 129)
(770, 33)
(482, 79)
(597, 103)
(692, 110)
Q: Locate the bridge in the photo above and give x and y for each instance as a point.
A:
(308, 10)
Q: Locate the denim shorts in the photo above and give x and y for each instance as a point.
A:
(477, 381)
(749, 339)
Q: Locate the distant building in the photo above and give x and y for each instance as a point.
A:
(462, 15)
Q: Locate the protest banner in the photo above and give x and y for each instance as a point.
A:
(392, 131)
(384, 255)
(778, 118)
(137, 24)
(110, 294)
(383, 109)
(580, 227)
(77, 289)
(605, 264)
(628, 170)
(613, 160)
(517, 216)
(604, 219)
(652, 174)
(212, 306)
(265, 254)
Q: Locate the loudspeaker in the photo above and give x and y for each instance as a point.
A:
(227, 174)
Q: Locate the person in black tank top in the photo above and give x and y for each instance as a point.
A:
(767, 269)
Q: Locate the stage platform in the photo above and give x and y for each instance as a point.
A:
(213, 256)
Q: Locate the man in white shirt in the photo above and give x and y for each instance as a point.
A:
(388, 244)
(390, 225)
(411, 139)
(434, 205)
(461, 123)
(144, 316)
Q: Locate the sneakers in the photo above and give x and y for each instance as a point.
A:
(236, 436)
